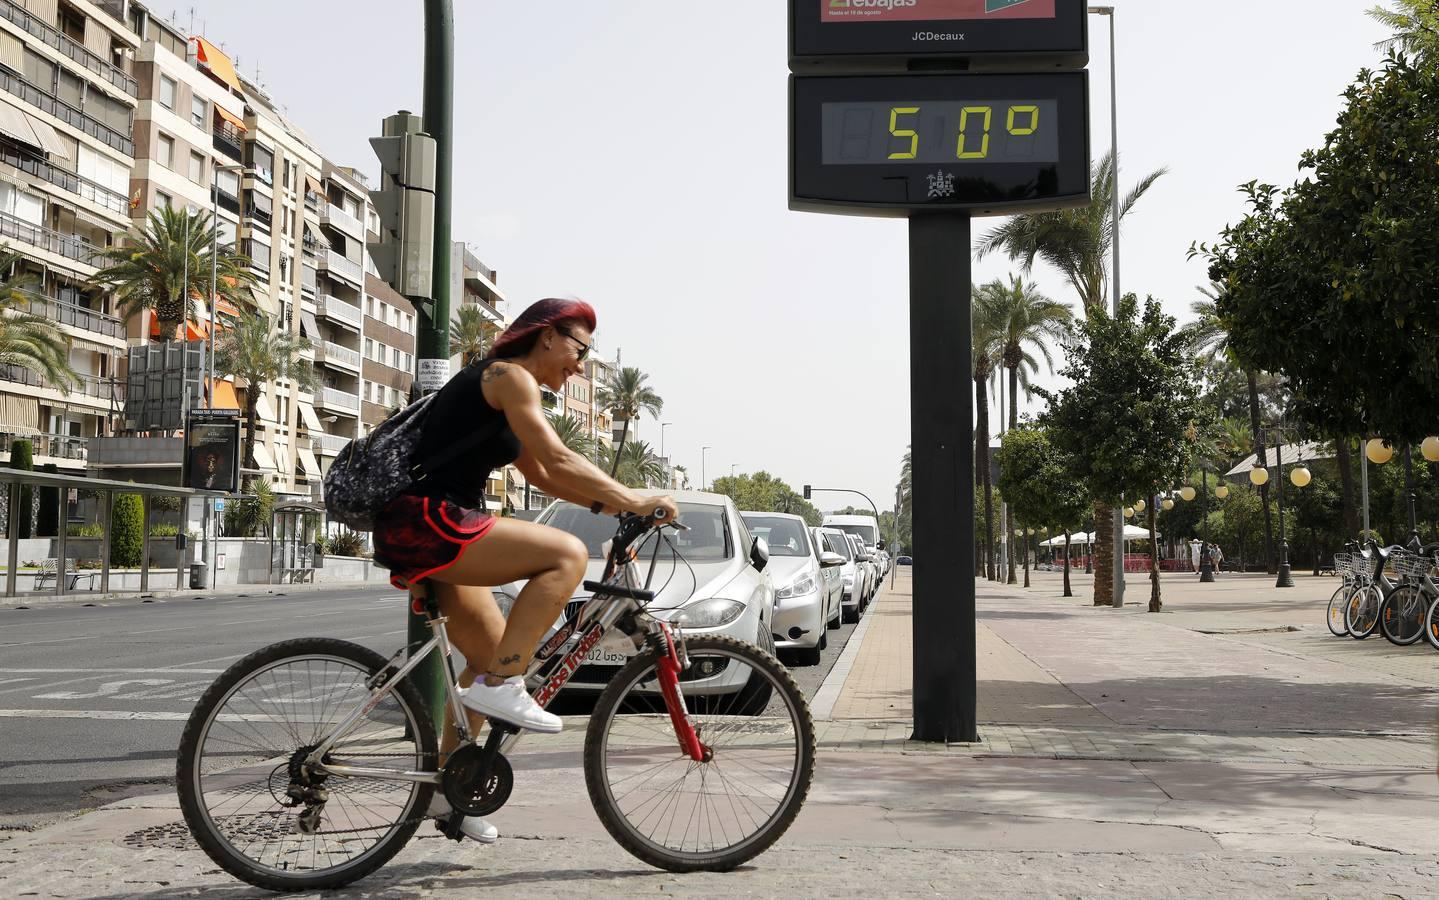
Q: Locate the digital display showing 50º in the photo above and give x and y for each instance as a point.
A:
(956, 131)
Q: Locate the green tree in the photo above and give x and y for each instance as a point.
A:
(1038, 481)
(258, 354)
(469, 339)
(633, 464)
(762, 492)
(987, 353)
(127, 539)
(30, 341)
(1239, 525)
(250, 515)
(1126, 418)
(1317, 517)
(1026, 322)
(1415, 24)
(625, 395)
(22, 456)
(162, 266)
(573, 433)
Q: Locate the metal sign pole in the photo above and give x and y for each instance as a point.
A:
(943, 462)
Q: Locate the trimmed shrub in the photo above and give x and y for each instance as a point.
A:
(22, 456)
(91, 530)
(47, 523)
(127, 524)
(163, 529)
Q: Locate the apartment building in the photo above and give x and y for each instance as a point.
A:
(388, 358)
(68, 95)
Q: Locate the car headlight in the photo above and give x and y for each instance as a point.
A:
(849, 580)
(804, 585)
(713, 613)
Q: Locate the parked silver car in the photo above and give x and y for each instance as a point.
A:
(800, 599)
(852, 575)
(833, 575)
(719, 586)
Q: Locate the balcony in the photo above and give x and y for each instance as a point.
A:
(338, 400)
(75, 316)
(330, 444)
(332, 215)
(333, 308)
(342, 268)
(19, 87)
(67, 245)
(81, 187)
(101, 389)
(335, 355)
(51, 446)
(227, 140)
(76, 51)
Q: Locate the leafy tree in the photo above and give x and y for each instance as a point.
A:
(127, 539)
(469, 339)
(257, 353)
(634, 465)
(572, 433)
(1415, 24)
(1353, 252)
(762, 492)
(162, 266)
(250, 516)
(1026, 322)
(27, 340)
(22, 456)
(1126, 418)
(1317, 515)
(625, 395)
(1038, 480)
(1240, 523)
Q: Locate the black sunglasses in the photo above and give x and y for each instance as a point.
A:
(584, 348)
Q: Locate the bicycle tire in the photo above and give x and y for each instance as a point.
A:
(348, 665)
(1401, 618)
(1431, 624)
(1362, 615)
(1334, 616)
(751, 739)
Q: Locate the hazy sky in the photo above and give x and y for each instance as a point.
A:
(633, 153)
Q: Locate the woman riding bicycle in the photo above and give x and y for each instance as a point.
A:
(440, 532)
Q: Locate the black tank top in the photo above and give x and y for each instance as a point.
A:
(460, 408)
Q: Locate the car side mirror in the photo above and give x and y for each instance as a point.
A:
(880, 545)
(759, 553)
(829, 560)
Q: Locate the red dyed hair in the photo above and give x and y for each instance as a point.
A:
(520, 337)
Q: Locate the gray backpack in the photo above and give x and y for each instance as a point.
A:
(375, 469)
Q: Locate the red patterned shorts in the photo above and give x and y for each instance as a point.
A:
(419, 536)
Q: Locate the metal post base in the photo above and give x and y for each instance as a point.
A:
(1286, 577)
(1206, 574)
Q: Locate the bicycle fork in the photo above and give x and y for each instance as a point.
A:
(667, 670)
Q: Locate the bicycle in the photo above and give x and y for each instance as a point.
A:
(1350, 567)
(1361, 614)
(310, 763)
(1402, 615)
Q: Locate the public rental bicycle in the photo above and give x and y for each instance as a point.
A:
(310, 763)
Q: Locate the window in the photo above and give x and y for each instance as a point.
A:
(288, 167)
(369, 349)
(165, 151)
(167, 92)
(370, 307)
(164, 199)
(71, 22)
(261, 160)
(197, 168)
(409, 323)
(409, 362)
(199, 113)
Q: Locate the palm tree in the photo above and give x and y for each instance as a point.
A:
(1024, 320)
(987, 354)
(572, 433)
(633, 465)
(256, 353)
(684, 474)
(1076, 242)
(26, 340)
(1211, 337)
(163, 266)
(625, 395)
(469, 339)
(1415, 24)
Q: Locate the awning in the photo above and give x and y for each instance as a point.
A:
(16, 124)
(263, 301)
(219, 64)
(263, 412)
(313, 185)
(309, 463)
(230, 117)
(307, 415)
(308, 326)
(20, 413)
(283, 464)
(262, 456)
(226, 308)
(49, 139)
(223, 396)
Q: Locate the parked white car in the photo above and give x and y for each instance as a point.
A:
(866, 566)
(833, 578)
(851, 573)
(800, 598)
(719, 587)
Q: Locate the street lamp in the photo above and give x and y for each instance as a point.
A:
(663, 426)
(1186, 493)
(703, 482)
(1300, 477)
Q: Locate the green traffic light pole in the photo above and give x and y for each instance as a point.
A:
(432, 339)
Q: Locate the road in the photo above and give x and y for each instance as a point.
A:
(93, 699)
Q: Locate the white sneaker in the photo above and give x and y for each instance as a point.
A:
(472, 827)
(508, 702)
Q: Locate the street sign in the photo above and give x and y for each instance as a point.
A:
(983, 144)
(903, 35)
(219, 505)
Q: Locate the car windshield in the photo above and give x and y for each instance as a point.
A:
(784, 536)
(706, 541)
(865, 533)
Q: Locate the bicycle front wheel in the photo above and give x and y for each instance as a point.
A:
(1401, 620)
(1431, 624)
(1362, 614)
(1337, 606)
(240, 758)
(685, 816)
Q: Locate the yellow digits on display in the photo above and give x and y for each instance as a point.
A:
(894, 113)
(1032, 112)
(964, 115)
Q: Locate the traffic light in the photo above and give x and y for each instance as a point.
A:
(405, 203)
(806, 492)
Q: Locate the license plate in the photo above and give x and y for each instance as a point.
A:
(604, 656)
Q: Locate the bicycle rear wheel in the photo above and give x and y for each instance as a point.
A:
(1401, 619)
(1361, 616)
(1337, 606)
(240, 754)
(681, 815)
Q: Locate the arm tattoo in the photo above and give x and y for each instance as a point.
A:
(496, 370)
(510, 660)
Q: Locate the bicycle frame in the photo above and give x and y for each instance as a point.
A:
(580, 633)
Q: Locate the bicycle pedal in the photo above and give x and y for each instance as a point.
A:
(449, 825)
